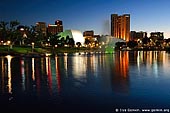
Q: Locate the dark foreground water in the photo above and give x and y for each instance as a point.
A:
(86, 83)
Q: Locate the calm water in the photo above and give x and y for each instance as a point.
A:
(96, 83)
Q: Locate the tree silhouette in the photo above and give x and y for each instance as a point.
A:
(145, 40)
(71, 42)
(119, 44)
(14, 34)
(54, 40)
(78, 44)
(87, 41)
(3, 30)
(132, 44)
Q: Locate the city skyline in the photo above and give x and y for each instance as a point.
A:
(146, 15)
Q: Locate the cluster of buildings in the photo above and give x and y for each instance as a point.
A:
(51, 28)
(120, 29)
(155, 36)
(57, 28)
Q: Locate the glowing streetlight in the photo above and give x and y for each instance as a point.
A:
(8, 43)
(103, 43)
(21, 29)
(32, 46)
(2, 42)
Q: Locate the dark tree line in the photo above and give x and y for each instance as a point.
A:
(20, 35)
(55, 40)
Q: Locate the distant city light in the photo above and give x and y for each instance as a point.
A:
(22, 29)
(8, 42)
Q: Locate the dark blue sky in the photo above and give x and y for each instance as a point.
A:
(146, 15)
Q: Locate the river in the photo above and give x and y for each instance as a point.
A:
(86, 83)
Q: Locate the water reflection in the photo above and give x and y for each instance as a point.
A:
(120, 78)
(88, 76)
(48, 73)
(33, 70)
(9, 73)
(2, 83)
(152, 60)
(58, 78)
(23, 73)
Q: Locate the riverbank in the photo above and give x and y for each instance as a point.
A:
(46, 51)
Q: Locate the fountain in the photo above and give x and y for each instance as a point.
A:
(111, 43)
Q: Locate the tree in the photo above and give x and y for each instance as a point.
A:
(120, 44)
(145, 40)
(78, 44)
(62, 41)
(13, 31)
(54, 40)
(87, 41)
(3, 30)
(32, 34)
(39, 38)
(132, 44)
(71, 42)
(67, 40)
(14, 24)
(158, 43)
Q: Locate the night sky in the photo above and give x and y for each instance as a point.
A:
(146, 15)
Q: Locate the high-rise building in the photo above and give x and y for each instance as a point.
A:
(41, 26)
(55, 28)
(59, 24)
(120, 26)
(52, 29)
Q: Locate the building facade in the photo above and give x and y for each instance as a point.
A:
(137, 35)
(41, 26)
(59, 24)
(89, 35)
(55, 28)
(155, 36)
(52, 29)
(120, 26)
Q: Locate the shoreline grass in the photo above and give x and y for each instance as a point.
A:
(19, 50)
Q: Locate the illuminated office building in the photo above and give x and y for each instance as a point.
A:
(55, 28)
(137, 35)
(52, 29)
(59, 24)
(41, 26)
(156, 36)
(89, 35)
(120, 26)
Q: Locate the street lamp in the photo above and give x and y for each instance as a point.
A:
(2, 42)
(8, 42)
(32, 46)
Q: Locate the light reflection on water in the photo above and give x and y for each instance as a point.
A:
(112, 79)
(9, 73)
